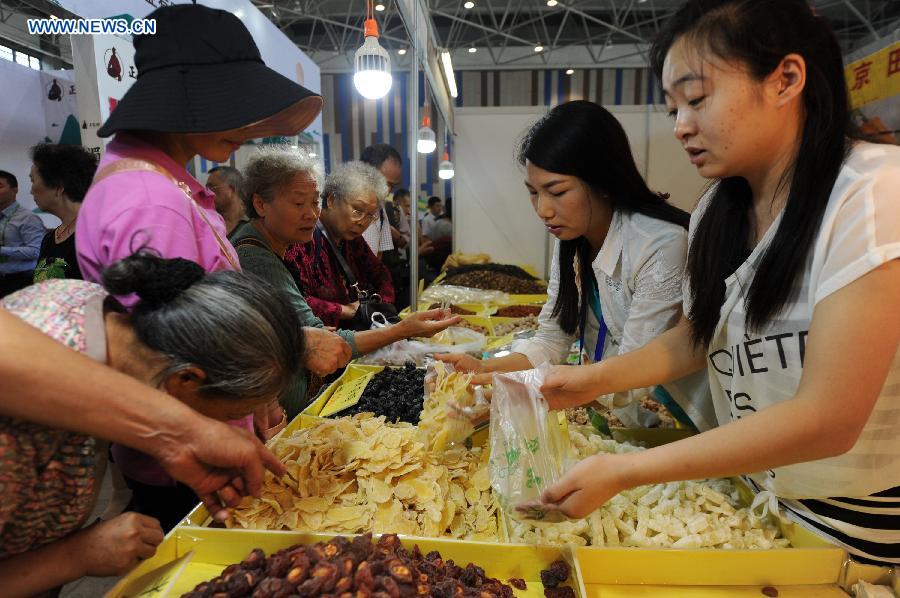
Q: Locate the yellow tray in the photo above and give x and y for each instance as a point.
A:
(478, 309)
(811, 561)
(514, 299)
(199, 517)
(811, 565)
(527, 299)
(192, 555)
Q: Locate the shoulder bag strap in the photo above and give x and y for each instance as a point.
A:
(345, 267)
(251, 242)
(136, 164)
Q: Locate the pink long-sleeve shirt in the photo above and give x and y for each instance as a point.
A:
(130, 210)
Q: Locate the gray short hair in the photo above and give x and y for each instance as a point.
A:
(355, 178)
(232, 177)
(239, 329)
(274, 166)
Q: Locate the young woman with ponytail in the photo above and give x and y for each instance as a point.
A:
(792, 284)
(616, 277)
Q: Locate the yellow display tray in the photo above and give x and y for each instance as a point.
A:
(484, 321)
(811, 565)
(514, 299)
(811, 568)
(192, 555)
(810, 562)
(478, 309)
(527, 299)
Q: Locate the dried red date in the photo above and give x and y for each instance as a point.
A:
(359, 568)
(273, 587)
(254, 560)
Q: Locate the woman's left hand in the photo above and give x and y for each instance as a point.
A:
(586, 487)
(426, 324)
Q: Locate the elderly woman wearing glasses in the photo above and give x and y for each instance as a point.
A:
(282, 188)
(351, 201)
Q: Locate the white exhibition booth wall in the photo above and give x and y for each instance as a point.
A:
(37, 106)
(491, 209)
(28, 116)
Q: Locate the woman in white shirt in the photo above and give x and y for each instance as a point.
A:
(792, 284)
(630, 242)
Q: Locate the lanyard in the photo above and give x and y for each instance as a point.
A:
(6, 222)
(594, 300)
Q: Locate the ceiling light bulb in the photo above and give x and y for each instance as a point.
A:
(570, 72)
(472, 50)
(539, 48)
(552, 3)
(425, 140)
(401, 51)
(469, 5)
(379, 7)
(445, 170)
(373, 66)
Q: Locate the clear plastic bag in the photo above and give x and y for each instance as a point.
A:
(527, 446)
(449, 293)
(398, 353)
(453, 340)
(458, 340)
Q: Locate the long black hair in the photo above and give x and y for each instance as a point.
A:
(758, 34)
(584, 140)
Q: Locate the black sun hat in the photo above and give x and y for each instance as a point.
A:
(202, 73)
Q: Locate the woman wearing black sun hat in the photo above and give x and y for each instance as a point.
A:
(202, 89)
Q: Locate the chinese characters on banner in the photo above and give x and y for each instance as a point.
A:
(874, 85)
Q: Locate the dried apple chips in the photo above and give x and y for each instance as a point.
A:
(359, 474)
(439, 427)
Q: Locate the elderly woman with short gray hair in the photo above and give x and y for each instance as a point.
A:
(282, 187)
(351, 201)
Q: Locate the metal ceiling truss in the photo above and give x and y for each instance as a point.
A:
(500, 29)
(505, 32)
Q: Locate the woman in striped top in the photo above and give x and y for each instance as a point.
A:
(791, 289)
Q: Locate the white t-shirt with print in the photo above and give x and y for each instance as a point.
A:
(750, 370)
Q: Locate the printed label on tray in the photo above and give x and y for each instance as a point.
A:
(347, 395)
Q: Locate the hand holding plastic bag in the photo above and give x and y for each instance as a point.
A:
(527, 446)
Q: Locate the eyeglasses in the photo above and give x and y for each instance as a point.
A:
(361, 217)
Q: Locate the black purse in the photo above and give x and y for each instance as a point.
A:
(372, 309)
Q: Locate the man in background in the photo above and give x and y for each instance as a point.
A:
(435, 211)
(380, 235)
(21, 233)
(228, 183)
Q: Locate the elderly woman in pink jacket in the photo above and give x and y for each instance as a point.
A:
(202, 89)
